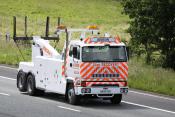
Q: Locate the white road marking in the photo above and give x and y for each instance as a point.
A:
(153, 108)
(5, 94)
(3, 77)
(156, 96)
(69, 108)
(8, 67)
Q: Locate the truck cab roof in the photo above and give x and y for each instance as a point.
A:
(97, 41)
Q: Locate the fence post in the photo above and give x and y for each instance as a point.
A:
(14, 28)
(7, 36)
(7, 32)
(47, 27)
(25, 26)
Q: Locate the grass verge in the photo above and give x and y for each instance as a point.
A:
(9, 53)
(149, 78)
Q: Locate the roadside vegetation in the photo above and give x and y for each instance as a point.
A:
(152, 28)
(150, 78)
(78, 14)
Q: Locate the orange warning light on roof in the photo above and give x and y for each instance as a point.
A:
(92, 27)
(61, 27)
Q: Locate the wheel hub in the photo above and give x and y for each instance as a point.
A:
(29, 87)
(70, 93)
(20, 82)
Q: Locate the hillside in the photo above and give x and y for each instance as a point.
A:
(74, 13)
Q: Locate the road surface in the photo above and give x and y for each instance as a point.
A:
(135, 104)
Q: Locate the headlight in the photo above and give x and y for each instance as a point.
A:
(86, 90)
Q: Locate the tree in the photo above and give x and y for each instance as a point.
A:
(153, 26)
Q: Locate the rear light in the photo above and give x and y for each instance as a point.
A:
(83, 84)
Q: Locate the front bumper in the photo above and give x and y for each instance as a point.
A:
(100, 90)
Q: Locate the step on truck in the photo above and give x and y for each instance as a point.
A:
(89, 67)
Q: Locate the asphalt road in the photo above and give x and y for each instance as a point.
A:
(134, 104)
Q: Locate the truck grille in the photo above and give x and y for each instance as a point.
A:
(105, 75)
(110, 95)
(105, 85)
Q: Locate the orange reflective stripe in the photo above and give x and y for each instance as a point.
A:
(110, 70)
(82, 64)
(124, 64)
(100, 70)
(92, 72)
(82, 70)
(124, 72)
(118, 72)
(88, 70)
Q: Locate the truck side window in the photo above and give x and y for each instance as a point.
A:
(41, 52)
(76, 52)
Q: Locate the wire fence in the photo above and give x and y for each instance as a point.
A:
(36, 26)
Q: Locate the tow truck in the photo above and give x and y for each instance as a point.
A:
(90, 66)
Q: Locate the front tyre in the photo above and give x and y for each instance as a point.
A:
(116, 99)
(21, 81)
(72, 98)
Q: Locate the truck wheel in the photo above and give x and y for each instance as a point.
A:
(72, 98)
(21, 81)
(116, 99)
(31, 87)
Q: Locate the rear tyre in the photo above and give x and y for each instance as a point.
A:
(31, 87)
(116, 99)
(71, 97)
(21, 81)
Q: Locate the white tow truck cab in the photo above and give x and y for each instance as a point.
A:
(92, 66)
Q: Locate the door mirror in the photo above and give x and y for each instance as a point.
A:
(75, 52)
(71, 51)
(127, 50)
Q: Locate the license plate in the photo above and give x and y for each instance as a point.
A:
(105, 91)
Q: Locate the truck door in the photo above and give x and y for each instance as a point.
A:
(55, 82)
(73, 61)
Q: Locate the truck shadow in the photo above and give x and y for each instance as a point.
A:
(92, 103)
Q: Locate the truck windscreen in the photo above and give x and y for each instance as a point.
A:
(104, 54)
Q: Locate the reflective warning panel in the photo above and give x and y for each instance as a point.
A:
(104, 39)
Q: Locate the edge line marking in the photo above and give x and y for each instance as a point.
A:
(151, 95)
(8, 67)
(69, 108)
(3, 77)
(149, 107)
(5, 94)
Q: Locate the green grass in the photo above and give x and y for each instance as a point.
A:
(74, 13)
(149, 78)
(9, 53)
